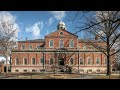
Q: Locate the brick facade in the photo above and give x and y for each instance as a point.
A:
(56, 53)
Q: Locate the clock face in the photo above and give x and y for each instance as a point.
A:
(61, 33)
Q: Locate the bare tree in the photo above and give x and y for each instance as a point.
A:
(105, 25)
(8, 32)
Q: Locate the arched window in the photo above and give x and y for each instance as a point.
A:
(71, 61)
(51, 43)
(71, 43)
(81, 61)
(51, 61)
(33, 61)
(61, 44)
(25, 61)
(17, 61)
(89, 61)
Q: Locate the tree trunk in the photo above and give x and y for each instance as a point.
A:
(7, 62)
(108, 59)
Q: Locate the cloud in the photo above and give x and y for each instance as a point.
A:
(35, 29)
(9, 18)
(59, 15)
(50, 21)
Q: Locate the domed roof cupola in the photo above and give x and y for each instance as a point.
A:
(61, 25)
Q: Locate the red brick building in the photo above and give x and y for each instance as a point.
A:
(59, 48)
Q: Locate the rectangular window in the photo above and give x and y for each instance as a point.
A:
(16, 70)
(61, 44)
(33, 70)
(81, 61)
(97, 60)
(105, 61)
(81, 70)
(30, 47)
(41, 60)
(51, 43)
(25, 70)
(38, 46)
(23, 47)
(25, 61)
(71, 43)
(17, 61)
(90, 61)
(33, 61)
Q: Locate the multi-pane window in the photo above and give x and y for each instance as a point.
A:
(23, 47)
(97, 60)
(71, 43)
(90, 61)
(71, 61)
(61, 44)
(33, 61)
(81, 61)
(30, 46)
(51, 61)
(105, 61)
(17, 61)
(51, 43)
(25, 61)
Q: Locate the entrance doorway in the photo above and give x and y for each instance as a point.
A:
(61, 62)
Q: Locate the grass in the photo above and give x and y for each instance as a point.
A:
(107, 77)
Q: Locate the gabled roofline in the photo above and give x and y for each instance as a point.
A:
(63, 30)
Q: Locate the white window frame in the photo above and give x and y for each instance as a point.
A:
(30, 48)
(71, 41)
(23, 61)
(16, 61)
(88, 61)
(49, 43)
(22, 47)
(99, 61)
(80, 60)
(32, 62)
(60, 44)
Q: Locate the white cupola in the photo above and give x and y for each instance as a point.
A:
(61, 25)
